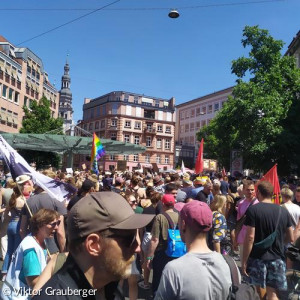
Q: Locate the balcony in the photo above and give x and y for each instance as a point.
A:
(150, 130)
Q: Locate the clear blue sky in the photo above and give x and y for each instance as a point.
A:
(144, 51)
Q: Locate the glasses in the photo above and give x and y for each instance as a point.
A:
(126, 240)
(133, 202)
(54, 224)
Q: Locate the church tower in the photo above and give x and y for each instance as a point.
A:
(65, 99)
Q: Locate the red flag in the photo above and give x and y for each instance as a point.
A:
(223, 172)
(272, 177)
(199, 161)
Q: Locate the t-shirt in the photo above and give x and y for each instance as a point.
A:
(195, 276)
(203, 197)
(160, 228)
(294, 211)
(224, 187)
(263, 216)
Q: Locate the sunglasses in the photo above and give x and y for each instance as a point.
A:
(133, 202)
(53, 224)
(125, 240)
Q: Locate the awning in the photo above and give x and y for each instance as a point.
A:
(66, 143)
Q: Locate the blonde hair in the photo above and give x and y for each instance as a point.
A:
(287, 193)
(218, 203)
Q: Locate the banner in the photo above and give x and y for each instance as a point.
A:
(199, 161)
(18, 166)
(272, 177)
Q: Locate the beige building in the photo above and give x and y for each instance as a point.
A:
(191, 116)
(22, 80)
(294, 49)
(137, 119)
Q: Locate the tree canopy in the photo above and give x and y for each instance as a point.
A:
(38, 119)
(260, 118)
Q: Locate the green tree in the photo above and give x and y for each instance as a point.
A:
(260, 118)
(38, 119)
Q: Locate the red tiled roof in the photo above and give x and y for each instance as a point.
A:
(3, 39)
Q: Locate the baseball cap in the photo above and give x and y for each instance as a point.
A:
(168, 199)
(100, 211)
(22, 179)
(197, 215)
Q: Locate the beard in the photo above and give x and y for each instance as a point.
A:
(118, 267)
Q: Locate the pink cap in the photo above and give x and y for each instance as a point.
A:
(197, 215)
(168, 199)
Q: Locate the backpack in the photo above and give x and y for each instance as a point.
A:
(239, 291)
(175, 246)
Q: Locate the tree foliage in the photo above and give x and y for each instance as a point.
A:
(260, 119)
(38, 119)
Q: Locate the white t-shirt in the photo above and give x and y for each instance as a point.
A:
(194, 276)
(294, 211)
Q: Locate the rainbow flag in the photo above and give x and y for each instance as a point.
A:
(97, 152)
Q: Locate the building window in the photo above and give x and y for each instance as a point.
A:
(98, 111)
(149, 126)
(127, 124)
(197, 111)
(90, 126)
(137, 125)
(114, 122)
(168, 129)
(148, 141)
(84, 126)
(192, 113)
(138, 111)
(113, 136)
(92, 113)
(158, 159)
(159, 128)
(187, 127)
(114, 109)
(192, 140)
(128, 110)
(203, 123)
(102, 124)
(126, 98)
(126, 157)
(216, 108)
(135, 157)
(126, 138)
(158, 143)
(203, 110)
(147, 158)
(181, 128)
(197, 125)
(4, 91)
(181, 115)
(136, 140)
(157, 103)
(136, 99)
(187, 114)
(97, 125)
(10, 94)
(192, 126)
(111, 157)
(104, 110)
(167, 144)
(167, 159)
(210, 108)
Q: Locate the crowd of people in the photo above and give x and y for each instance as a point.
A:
(116, 228)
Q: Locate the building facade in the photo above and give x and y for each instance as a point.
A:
(65, 100)
(191, 116)
(22, 81)
(137, 119)
(294, 49)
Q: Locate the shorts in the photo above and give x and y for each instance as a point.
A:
(146, 241)
(269, 273)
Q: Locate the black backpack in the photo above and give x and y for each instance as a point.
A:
(239, 291)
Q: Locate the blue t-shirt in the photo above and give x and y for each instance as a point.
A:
(31, 265)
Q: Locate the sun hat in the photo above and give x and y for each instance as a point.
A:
(22, 179)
